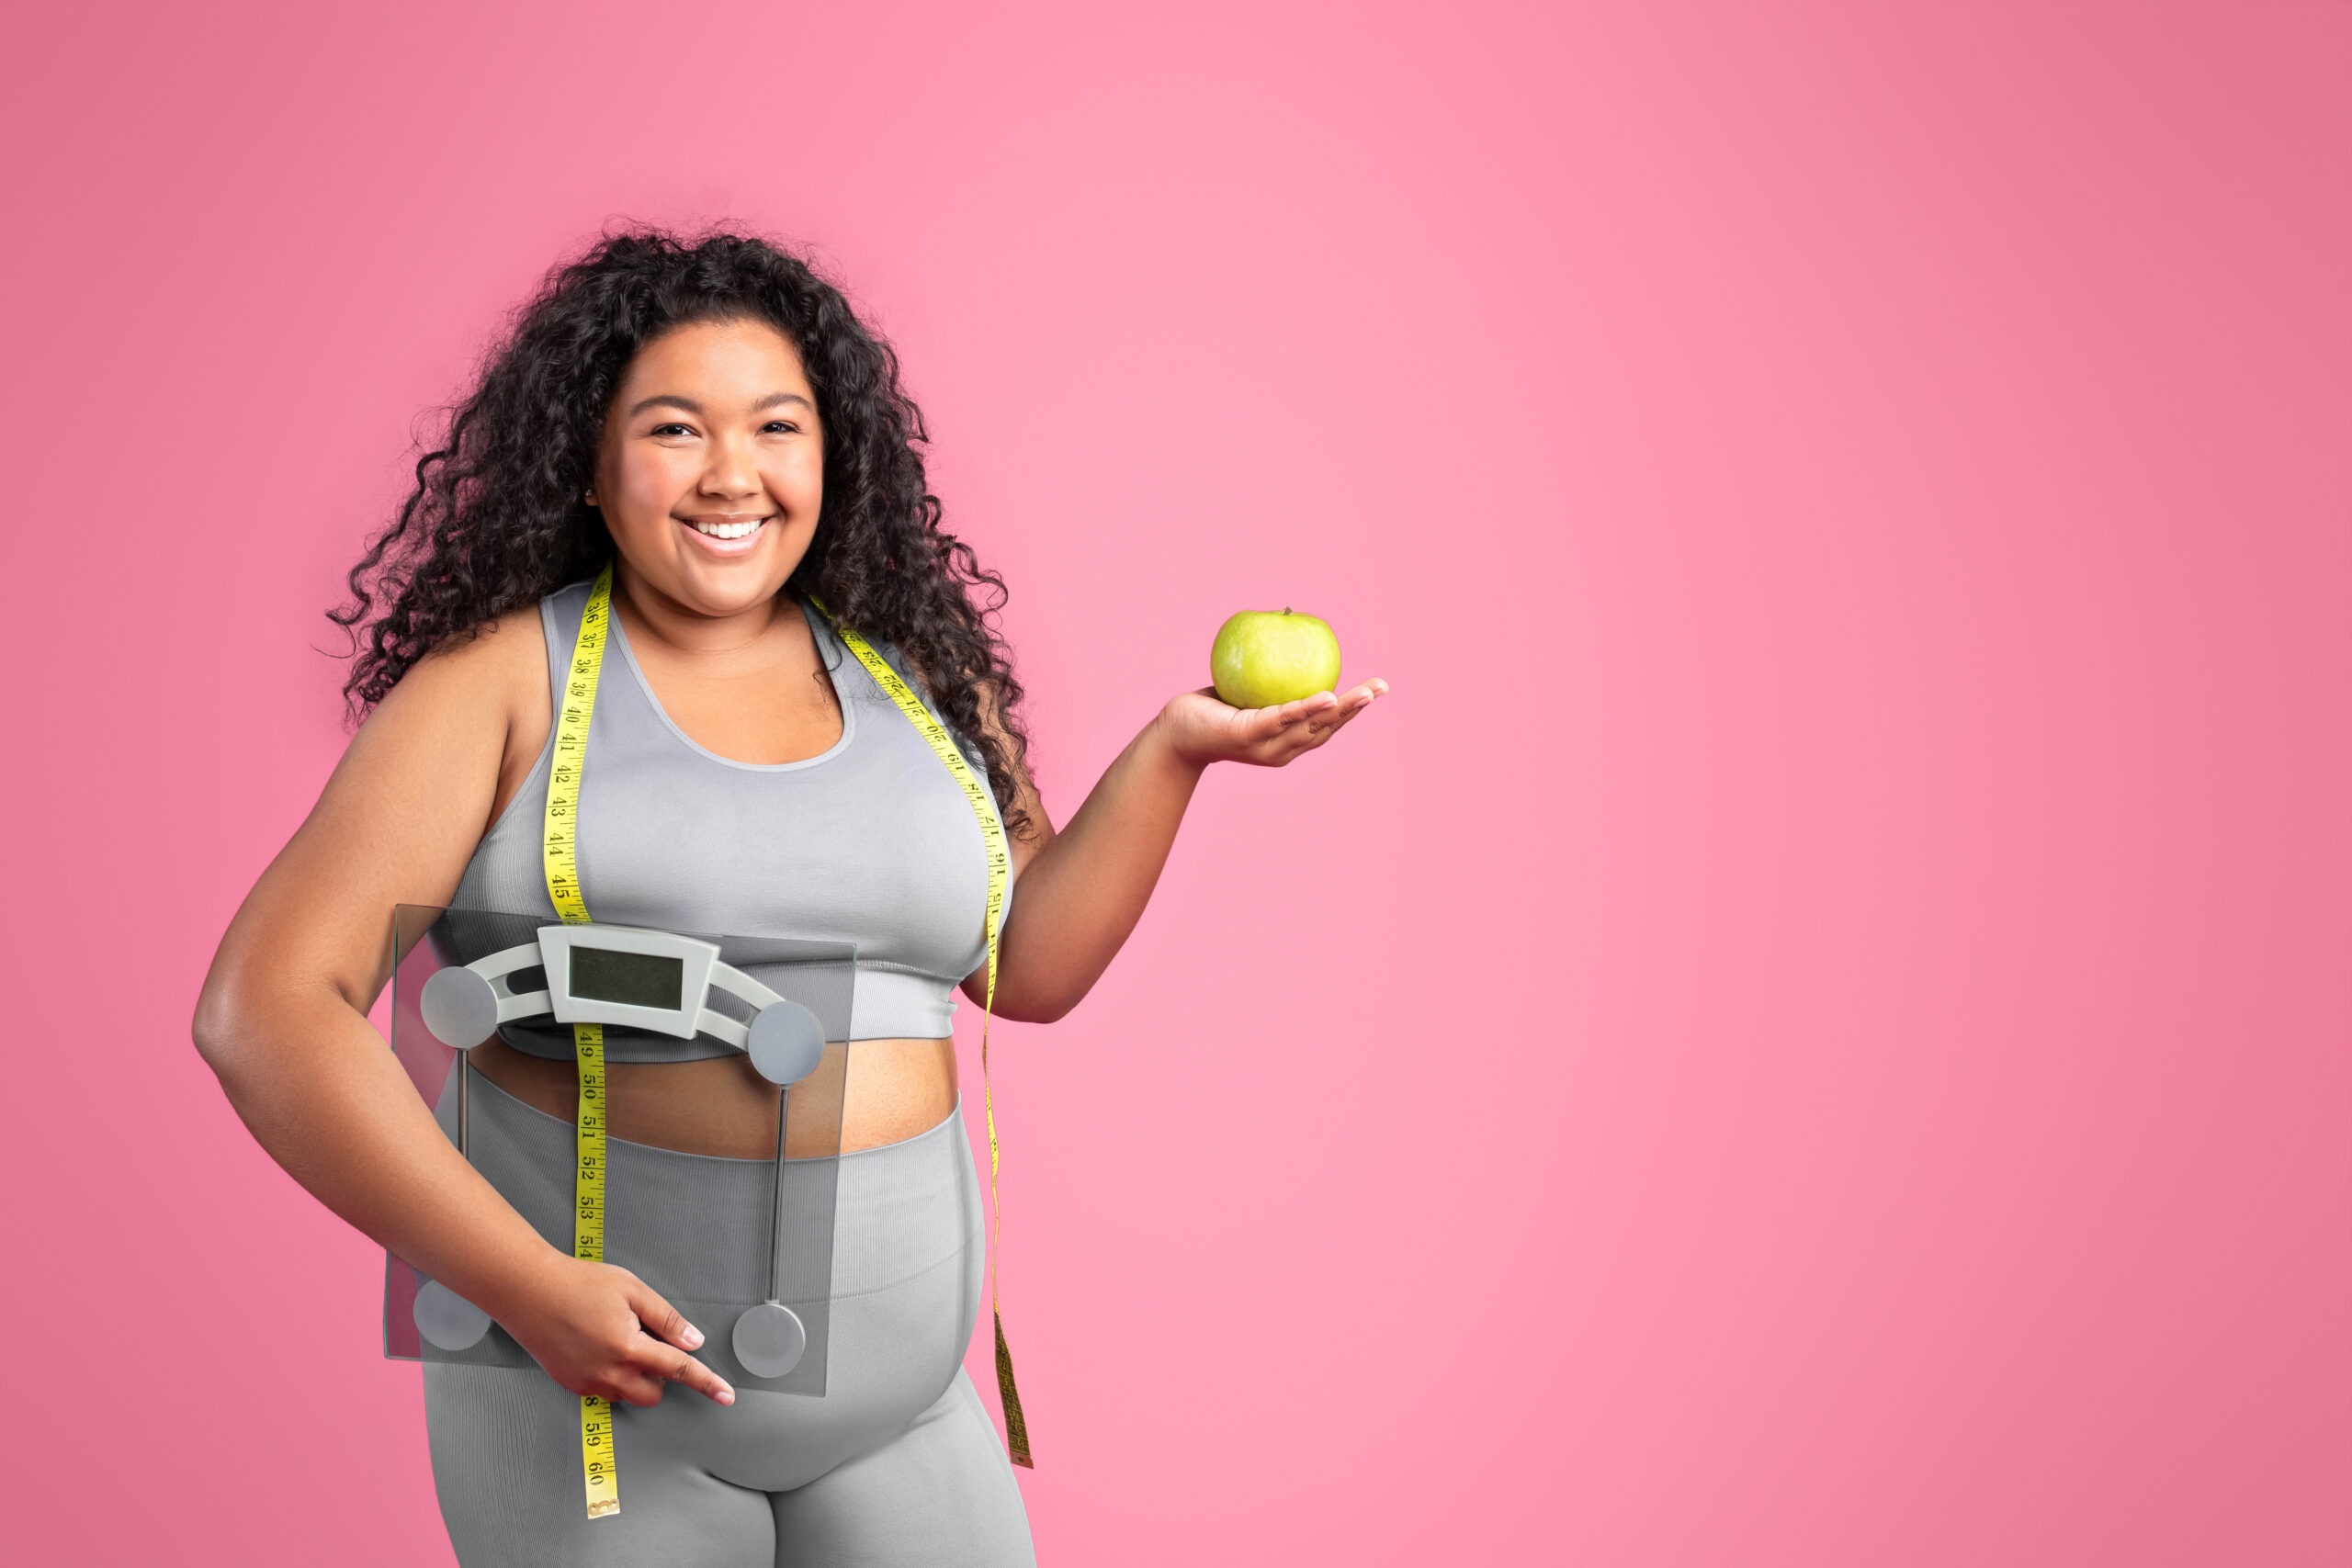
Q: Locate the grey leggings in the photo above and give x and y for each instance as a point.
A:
(897, 1463)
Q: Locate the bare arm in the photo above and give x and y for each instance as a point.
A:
(282, 1020)
(1083, 888)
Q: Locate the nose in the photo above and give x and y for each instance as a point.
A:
(732, 470)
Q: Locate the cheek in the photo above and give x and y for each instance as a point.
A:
(797, 479)
(651, 478)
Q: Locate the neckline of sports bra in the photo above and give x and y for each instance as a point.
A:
(817, 629)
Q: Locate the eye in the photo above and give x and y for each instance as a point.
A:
(672, 429)
(784, 426)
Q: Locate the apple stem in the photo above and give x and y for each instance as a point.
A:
(1285, 609)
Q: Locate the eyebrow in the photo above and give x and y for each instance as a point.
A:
(669, 399)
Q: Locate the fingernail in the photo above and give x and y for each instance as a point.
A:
(725, 1394)
(693, 1337)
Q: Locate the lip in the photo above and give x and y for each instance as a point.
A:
(726, 548)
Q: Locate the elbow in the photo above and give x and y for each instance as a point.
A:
(218, 1029)
(1057, 1010)
(210, 1030)
(1049, 1007)
(1033, 992)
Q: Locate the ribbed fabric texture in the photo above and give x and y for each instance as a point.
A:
(870, 842)
(896, 1462)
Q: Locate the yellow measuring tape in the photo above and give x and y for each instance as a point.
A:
(1016, 1426)
(559, 853)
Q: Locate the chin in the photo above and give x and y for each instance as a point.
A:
(711, 599)
(732, 588)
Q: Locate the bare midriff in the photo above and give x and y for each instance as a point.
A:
(719, 1105)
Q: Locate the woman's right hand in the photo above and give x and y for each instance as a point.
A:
(599, 1329)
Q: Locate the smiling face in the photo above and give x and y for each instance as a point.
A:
(712, 466)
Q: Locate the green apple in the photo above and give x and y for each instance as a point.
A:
(1262, 659)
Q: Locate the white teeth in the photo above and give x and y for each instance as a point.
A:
(727, 530)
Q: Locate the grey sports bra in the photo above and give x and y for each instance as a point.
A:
(870, 842)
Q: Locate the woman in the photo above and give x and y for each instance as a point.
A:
(709, 421)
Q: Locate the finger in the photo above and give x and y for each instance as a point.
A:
(1301, 707)
(1308, 709)
(1344, 718)
(1296, 743)
(1248, 718)
(1256, 727)
(675, 1366)
(631, 1387)
(1331, 718)
(661, 1319)
(1323, 726)
(1317, 730)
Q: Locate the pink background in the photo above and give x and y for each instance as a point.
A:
(1810, 1029)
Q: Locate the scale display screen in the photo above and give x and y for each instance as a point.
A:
(634, 979)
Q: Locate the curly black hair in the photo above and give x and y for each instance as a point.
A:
(496, 520)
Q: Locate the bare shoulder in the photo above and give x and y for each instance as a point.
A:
(493, 686)
(458, 716)
(502, 663)
(401, 813)
(461, 716)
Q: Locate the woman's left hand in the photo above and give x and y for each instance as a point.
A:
(1201, 729)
